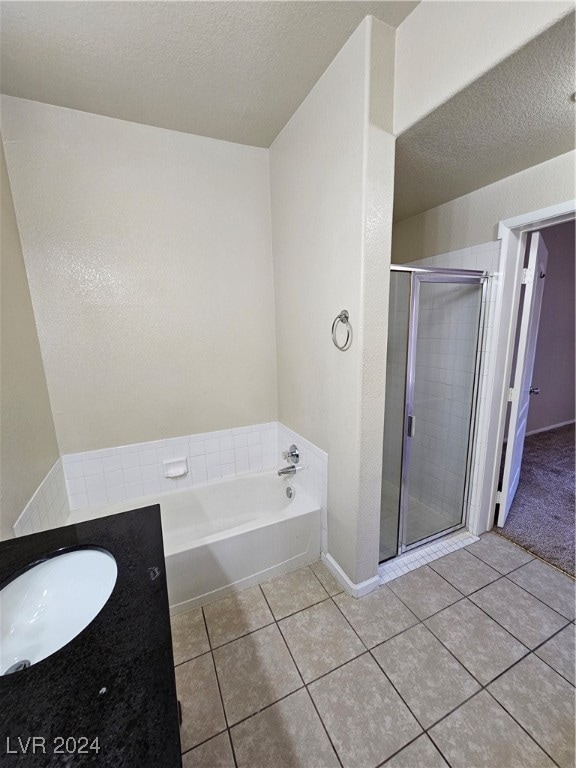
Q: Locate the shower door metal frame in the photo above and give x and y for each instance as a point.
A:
(420, 275)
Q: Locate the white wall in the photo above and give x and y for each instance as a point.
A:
(473, 219)
(331, 174)
(149, 259)
(554, 365)
(28, 447)
(441, 47)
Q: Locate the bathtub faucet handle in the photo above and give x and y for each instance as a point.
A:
(292, 455)
(291, 469)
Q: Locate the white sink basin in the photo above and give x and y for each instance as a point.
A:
(52, 602)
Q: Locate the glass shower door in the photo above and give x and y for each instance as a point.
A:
(431, 388)
(439, 404)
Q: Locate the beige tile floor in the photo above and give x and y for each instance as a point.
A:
(467, 662)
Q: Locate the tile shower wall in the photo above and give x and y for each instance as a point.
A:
(48, 507)
(443, 394)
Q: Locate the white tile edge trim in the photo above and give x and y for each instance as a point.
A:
(48, 506)
(397, 567)
(353, 589)
(314, 477)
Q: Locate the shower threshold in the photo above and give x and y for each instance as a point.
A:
(424, 523)
(413, 559)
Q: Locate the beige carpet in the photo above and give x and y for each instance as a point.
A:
(541, 518)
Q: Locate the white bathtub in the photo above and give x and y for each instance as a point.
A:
(229, 534)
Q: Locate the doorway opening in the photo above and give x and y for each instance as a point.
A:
(536, 489)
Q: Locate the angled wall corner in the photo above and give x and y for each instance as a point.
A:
(331, 171)
(28, 448)
(378, 183)
(441, 47)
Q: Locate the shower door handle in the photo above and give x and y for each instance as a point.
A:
(411, 426)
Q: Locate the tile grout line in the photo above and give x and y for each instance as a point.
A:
(562, 616)
(300, 673)
(462, 703)
(534, 598)
(522, 727)
(369, 651)
(204, 741)
(249, 632)
(219, 688)
(533, 554)
(296, 665)
(408, 744)
(482, 687)
(466, 597)
(544, 660)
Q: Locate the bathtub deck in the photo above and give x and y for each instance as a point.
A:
(293, 672)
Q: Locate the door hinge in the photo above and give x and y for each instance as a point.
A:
(527, 276)
(499, 497)
(512, 394)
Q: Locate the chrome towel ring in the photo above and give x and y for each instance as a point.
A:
(343, 318)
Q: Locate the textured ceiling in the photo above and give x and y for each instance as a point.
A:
(517, 115)
(231, 70)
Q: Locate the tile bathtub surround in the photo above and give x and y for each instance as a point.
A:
(450, 690)
(109, 475)
(48, 508)
(112, 475)
(313, 478)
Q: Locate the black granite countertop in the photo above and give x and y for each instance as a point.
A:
(114, 682)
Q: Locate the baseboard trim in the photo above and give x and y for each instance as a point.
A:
(353, 589)
(551, 427)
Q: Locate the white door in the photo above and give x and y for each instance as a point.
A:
(522, 377)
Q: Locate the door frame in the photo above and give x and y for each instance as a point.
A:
(520, 391)
(513, 234)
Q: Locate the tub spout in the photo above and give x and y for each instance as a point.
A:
(289, 470)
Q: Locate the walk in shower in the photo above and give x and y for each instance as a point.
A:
(434, 332)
